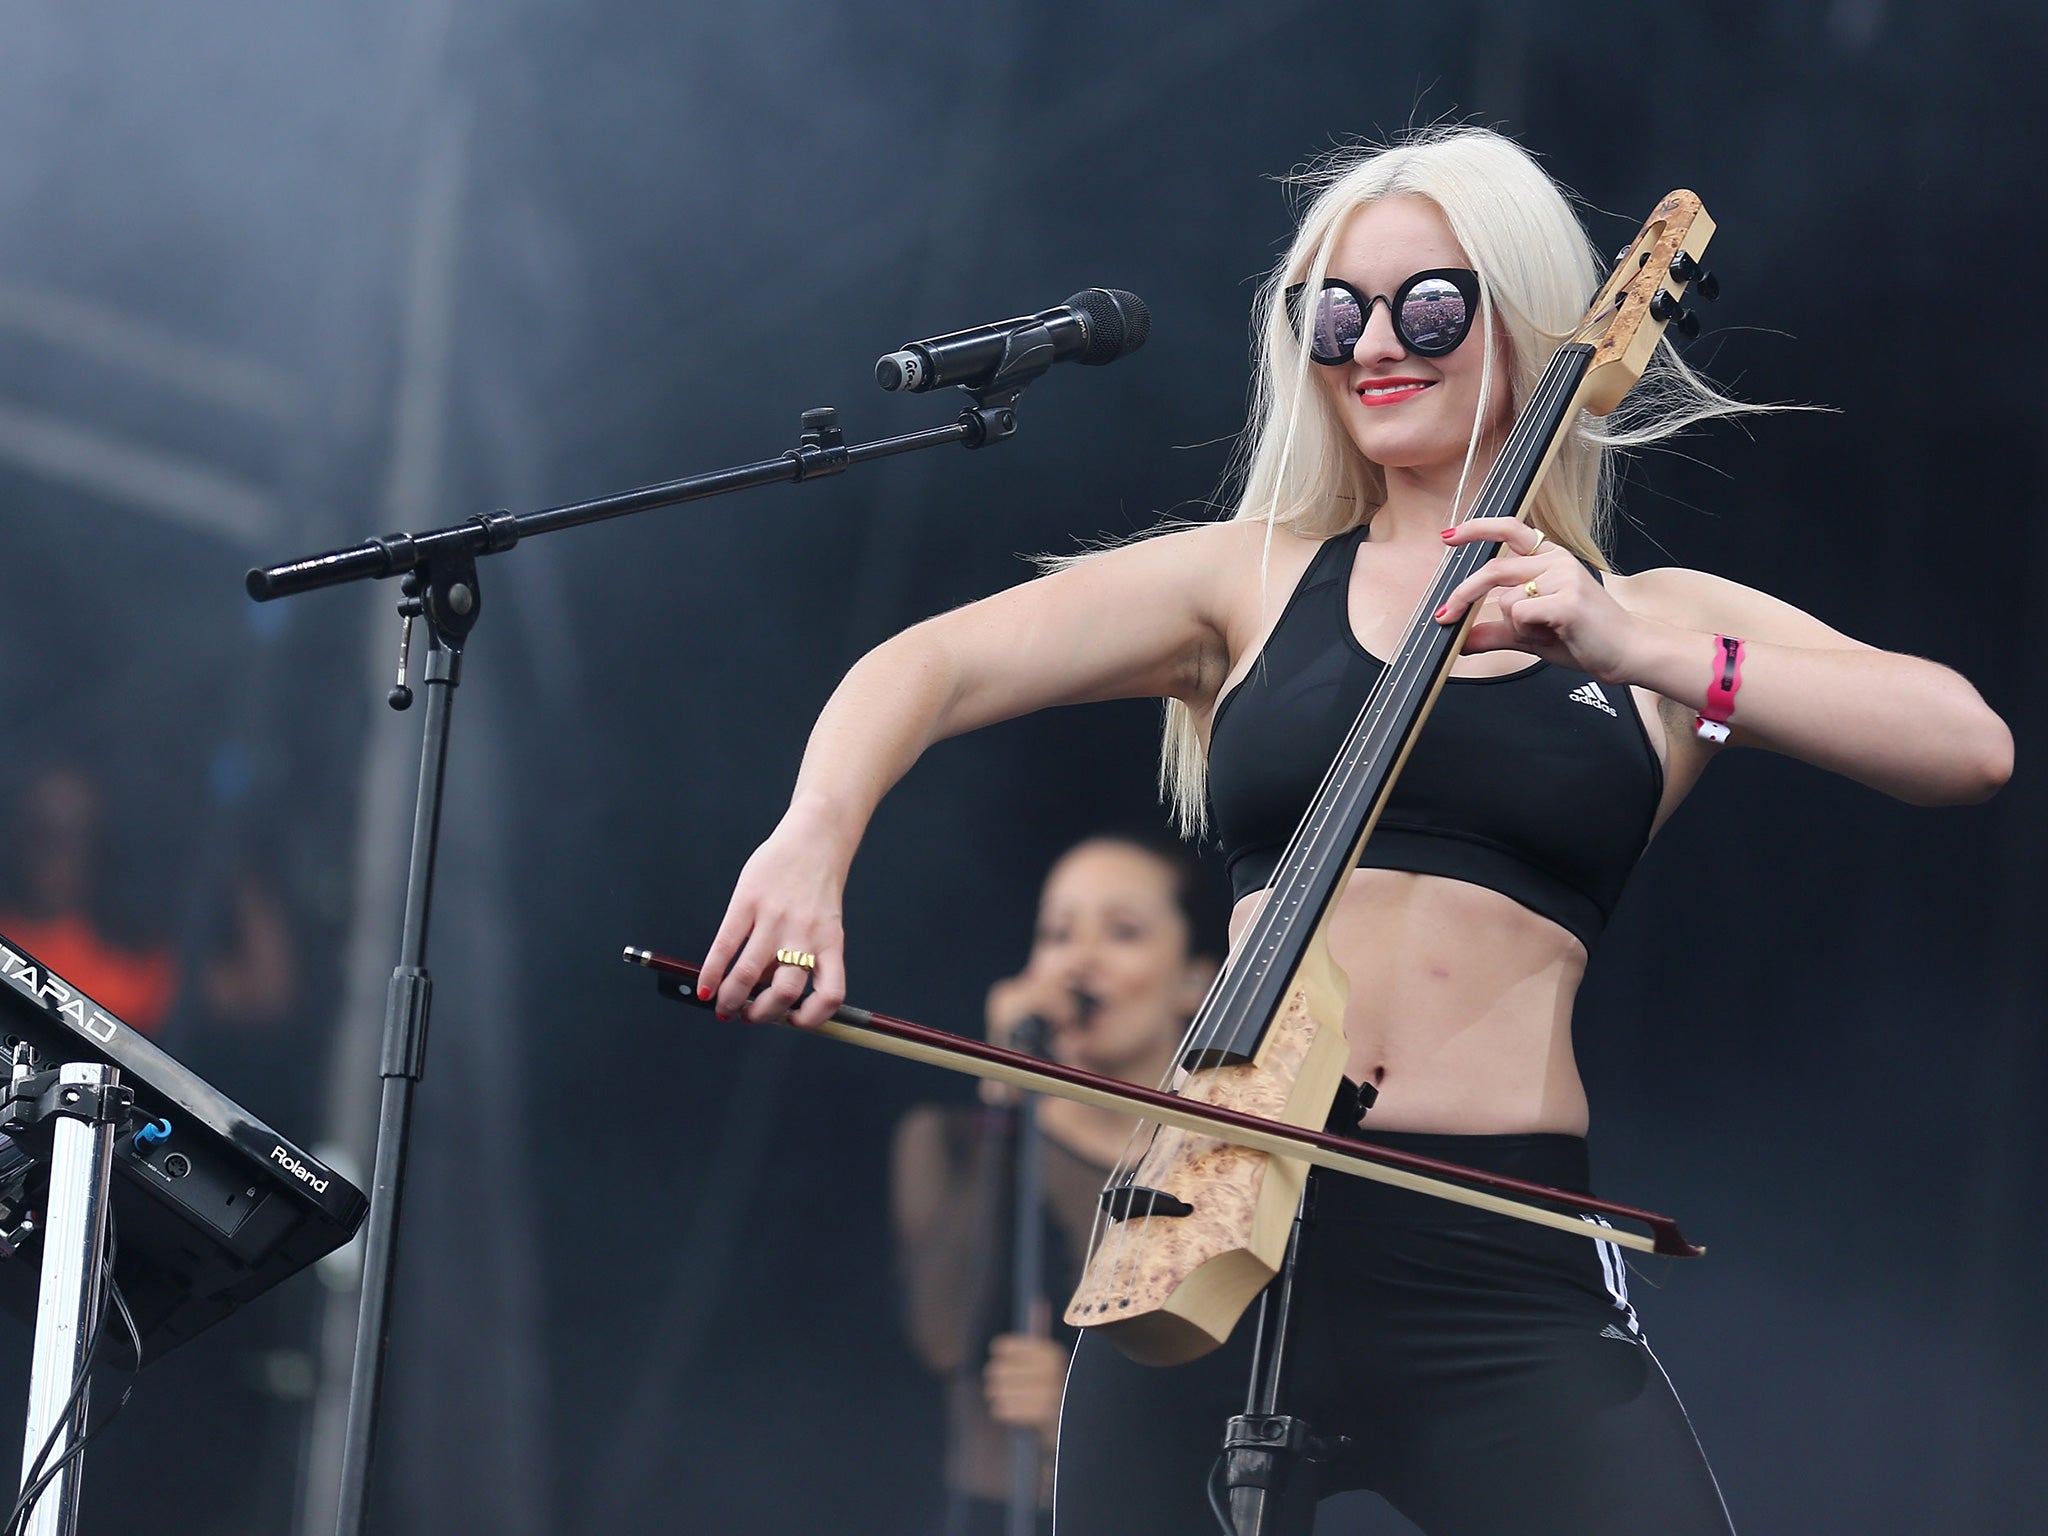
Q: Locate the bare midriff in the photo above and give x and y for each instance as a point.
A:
(1460, 1005)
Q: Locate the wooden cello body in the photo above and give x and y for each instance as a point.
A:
(1168, 1285)
(1192, 1227)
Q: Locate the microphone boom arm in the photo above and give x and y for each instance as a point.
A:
(822, 450)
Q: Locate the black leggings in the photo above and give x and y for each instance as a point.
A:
(1490, 1376)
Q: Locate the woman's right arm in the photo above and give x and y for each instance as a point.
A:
(1142, 620)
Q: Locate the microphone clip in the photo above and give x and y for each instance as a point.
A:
(1027, 353)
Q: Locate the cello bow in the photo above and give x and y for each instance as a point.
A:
(1498, 1193)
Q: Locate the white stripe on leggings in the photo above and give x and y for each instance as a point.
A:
(1614, 1270)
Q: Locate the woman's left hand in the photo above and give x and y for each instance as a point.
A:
(1023, 1382)
(1548, 603)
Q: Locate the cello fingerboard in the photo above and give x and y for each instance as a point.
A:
(1319, 858)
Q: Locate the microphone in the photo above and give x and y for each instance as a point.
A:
(1095, 326)
(1031, 1035)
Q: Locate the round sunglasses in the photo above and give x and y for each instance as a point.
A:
(1431, 311)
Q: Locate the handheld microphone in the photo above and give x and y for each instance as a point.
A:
(1031, 1035)
(1095, 326)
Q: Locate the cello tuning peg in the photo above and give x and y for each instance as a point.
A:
(1688, 270)
(1667, 309)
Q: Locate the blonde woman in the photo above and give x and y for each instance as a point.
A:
(1489, 1378)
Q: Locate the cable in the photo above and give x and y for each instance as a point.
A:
(22, 1504)
(135, 1344)
(26, 1503)
(110, 1299)
(1218, 1504)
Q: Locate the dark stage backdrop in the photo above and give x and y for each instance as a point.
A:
(273, 278)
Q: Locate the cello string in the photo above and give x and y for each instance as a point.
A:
(1135, 1147)
(1516, 456)
(1296, 864)
(1513, 452)
(1530, 437)
(1410, 663)
(1412, 666)
(1409, 667)
(1403, 674)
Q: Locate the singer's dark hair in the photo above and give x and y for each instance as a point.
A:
(1199, 891)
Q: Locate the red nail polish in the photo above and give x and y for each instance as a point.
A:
(1447, 533)
(723, 1018)
(703, 994)
(1443, 610)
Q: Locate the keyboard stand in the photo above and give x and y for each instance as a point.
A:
(84, 1107)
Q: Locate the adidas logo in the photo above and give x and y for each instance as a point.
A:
(1612, 1332)
(1589, 693)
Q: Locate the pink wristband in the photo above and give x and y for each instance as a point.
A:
(1711, 723)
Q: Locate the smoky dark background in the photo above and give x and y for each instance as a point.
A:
(273, 278)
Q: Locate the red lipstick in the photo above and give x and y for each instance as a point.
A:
(1390, 391)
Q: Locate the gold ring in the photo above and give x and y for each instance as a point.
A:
(801, 958)
(1529, 587)
(1539, 542)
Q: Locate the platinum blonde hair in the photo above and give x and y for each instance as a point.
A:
(1297, 468)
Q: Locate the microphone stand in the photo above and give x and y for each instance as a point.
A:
(440, 586)
(995, 1145)
(1027, 1275)
(1266, 1474)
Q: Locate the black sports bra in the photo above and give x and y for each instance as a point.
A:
(1540, 784)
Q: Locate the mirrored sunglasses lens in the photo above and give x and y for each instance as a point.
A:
(1434, 317)
(1338, 326)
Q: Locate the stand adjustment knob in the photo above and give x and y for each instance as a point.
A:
(410, 607)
